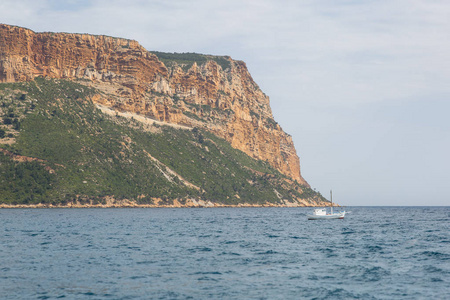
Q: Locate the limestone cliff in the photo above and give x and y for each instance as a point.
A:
(214, 93)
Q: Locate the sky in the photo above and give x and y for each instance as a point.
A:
(363, 86)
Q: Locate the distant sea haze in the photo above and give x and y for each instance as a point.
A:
(224, 253)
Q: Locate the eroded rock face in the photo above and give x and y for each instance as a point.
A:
(222, 99)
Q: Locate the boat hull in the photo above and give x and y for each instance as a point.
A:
(327, 217)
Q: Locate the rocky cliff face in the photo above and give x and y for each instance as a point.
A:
(214, 93)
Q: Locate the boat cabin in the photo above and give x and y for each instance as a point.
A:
(320, 212)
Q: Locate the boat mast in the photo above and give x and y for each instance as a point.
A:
(331, 199)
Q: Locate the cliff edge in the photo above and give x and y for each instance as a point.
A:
(215, 93)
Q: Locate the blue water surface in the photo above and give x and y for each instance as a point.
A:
(224, 253)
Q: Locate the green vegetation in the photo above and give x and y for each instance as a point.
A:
(186, 60)
(24, 183)
(75, 152)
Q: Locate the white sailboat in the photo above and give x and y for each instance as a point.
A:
(321, 213)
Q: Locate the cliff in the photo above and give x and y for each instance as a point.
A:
(215, 93)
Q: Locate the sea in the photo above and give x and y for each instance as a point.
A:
(224, 253)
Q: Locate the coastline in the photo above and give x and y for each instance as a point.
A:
(190, 203)
(135, 205)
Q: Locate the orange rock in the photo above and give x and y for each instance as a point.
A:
(226, 102)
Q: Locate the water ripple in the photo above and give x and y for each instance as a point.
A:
(272, 253)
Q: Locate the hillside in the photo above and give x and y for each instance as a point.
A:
(99, 119)
(59, 148)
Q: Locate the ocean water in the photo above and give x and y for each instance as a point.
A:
(224, 253)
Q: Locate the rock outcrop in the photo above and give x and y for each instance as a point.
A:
(215, 93)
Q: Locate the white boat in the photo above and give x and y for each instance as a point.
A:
(321, 213)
